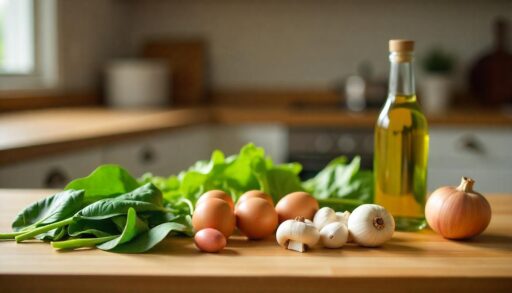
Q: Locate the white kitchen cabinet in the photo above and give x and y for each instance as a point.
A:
(50, 172)
(480, 153)
(161, 154)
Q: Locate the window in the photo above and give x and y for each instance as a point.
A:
(16, 37)
(27, 44)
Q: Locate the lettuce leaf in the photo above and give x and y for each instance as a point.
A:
(250, 169)
(342, 186)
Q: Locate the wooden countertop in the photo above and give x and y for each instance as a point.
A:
(413, 262)
(31, 134)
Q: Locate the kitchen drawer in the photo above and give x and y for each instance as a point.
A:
(476, 145)
(161, 154)
(481, 153)
(488, 180)
(50, 172)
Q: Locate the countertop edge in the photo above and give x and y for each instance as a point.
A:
(165, 120)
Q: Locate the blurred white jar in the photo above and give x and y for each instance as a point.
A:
(137, 83)
(436, 93)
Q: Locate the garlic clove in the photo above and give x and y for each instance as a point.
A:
(342, 217)
(324, 216)
(334, 235)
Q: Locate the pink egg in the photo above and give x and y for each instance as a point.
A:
(210, 240)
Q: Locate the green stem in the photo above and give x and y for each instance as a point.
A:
(40, 230)
(10, 235)
(83, 242)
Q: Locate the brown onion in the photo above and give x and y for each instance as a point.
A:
(458, 212)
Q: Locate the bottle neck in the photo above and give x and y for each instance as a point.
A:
(401, 78)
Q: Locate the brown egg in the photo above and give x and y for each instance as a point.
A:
(255, 193)
(210, 240)
(296, 204)
(214, 213)
(256, 218)
(216, 194)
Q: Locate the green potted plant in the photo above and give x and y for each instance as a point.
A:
(437, 83)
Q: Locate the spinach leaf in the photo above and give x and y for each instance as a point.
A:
(146, 198)
(133, 227)
(49, 210)
(105, 181)
(149, 239)
(97, 228)
(53, 235)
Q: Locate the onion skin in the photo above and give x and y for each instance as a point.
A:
(458, 212)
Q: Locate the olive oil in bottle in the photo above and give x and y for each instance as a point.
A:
(401, 145)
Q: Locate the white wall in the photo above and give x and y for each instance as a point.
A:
(91, 32)
(272, 43)
(308, 43)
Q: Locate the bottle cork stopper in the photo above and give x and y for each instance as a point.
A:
(401, 45)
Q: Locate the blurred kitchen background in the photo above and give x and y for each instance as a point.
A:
(156, 85)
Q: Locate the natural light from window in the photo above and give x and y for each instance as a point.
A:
(17, 54)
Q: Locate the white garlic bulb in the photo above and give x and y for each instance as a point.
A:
(323, 217)
(334, 235)
(371, 225)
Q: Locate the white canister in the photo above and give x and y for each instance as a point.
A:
(436, 94)
(138, 83)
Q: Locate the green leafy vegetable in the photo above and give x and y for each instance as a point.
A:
(133, 227)
(97, 228)
(149, 239)
(250, 169)
(342, 186)
(105, 181)
(49, 210)
(144, 199)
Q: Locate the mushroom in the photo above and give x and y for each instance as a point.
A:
(297, 235)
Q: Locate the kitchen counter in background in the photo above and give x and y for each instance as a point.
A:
(31, 134)
(57, 145)
(410, 262)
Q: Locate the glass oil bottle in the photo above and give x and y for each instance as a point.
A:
(401, 145)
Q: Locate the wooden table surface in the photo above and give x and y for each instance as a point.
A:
(415, 262)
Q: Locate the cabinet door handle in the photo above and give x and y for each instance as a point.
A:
(472, 144)
(55, 178)
(147, 155)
